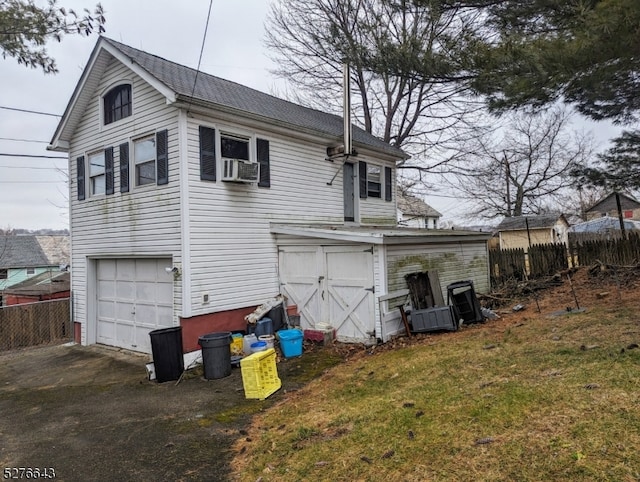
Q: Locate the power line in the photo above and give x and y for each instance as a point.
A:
(22, 140)
(37, 156)
(32, 182)
(33, 167)
(204, 38)
(29, 111)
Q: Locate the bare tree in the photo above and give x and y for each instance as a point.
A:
(578, 199)
(310, 40)
(522, 167)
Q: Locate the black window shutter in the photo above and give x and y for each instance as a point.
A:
(362, 176)
(162, 157)
(124, 167)
(388, 191)
(263, 160)
(80, 178)
(108, 170)
(207, 154)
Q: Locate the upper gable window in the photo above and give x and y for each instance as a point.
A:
(97, 173)
(117, 103)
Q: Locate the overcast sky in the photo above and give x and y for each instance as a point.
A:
(33, 191)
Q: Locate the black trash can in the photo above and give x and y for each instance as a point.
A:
(216, 354)
(166, 347)
(277, 316)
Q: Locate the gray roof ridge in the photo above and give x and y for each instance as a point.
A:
(119, 45)
(364, 137)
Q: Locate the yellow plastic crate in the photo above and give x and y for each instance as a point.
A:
(260, 374)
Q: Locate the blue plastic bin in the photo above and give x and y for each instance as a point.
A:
(290, 342)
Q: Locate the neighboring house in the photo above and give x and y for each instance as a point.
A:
(193, 210)
(413, 212)
(25, 256)
(607, 206)
(524, 231)
(49, 285)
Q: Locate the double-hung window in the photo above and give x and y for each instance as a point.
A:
(234, 147)
(97, 173)
(374, 185)
(375, 182)
(144, 152)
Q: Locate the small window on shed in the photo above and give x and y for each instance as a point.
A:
(31, 271)
(117, 103)
(4, 273)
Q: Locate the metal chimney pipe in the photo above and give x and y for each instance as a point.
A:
(346, 105)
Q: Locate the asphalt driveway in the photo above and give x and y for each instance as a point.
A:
(90, 413)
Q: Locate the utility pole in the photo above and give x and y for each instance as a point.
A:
(507, 172)
(620, 218)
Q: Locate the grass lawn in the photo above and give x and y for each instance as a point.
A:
(528, 397)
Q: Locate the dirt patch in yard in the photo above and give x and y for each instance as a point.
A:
(90, 413)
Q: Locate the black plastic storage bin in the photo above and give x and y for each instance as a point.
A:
(278, 317)
(438, 318)
(166, 347)
(216, 354)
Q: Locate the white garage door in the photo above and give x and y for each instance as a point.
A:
(135, 296)
(331, 284)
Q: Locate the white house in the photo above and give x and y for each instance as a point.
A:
(413, 212)
(195, 199)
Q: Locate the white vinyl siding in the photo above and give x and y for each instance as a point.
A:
(376, 211)
(124, 224)
(233, 254)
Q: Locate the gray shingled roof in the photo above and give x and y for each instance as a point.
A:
(215, 90)
(535, 222)
(413, 206)
(21, 252)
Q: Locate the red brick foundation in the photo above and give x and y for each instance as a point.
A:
(196, 326)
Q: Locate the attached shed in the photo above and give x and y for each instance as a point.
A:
(353, 278)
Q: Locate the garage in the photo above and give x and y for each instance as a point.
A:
(134, 297)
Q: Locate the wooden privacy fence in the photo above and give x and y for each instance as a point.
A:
(614, 250)
(35, 324)
(506, 264)
(548, 259)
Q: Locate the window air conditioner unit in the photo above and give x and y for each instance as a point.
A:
(239, 170)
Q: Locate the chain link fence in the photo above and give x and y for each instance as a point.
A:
(34, 324)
